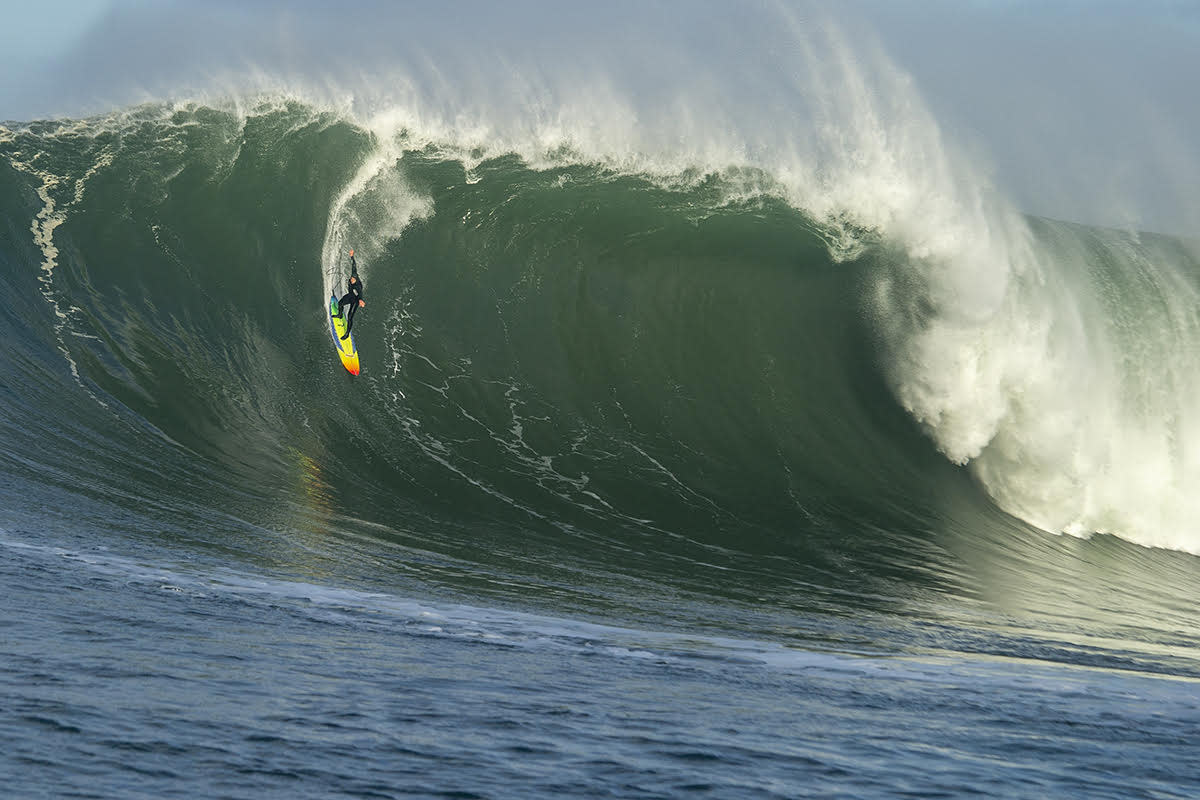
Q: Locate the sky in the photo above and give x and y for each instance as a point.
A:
(32, 39)
(1089, 109)
(1084, 110)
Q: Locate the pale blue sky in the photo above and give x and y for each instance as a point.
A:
(34, 35)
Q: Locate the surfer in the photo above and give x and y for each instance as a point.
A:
(352, 298)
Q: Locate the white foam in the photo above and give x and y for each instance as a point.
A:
(54, 212)
(373, 208)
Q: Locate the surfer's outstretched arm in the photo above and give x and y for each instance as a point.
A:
(353, 265)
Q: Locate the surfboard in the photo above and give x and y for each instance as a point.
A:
(345, 347)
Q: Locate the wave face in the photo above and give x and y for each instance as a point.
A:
(582, 376)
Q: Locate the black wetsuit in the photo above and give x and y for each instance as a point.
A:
(351, 297)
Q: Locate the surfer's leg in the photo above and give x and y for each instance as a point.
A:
(349, 321)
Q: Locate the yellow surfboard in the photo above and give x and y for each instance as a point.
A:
(345, 347)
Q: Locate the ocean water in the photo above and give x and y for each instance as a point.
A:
(674, 468)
